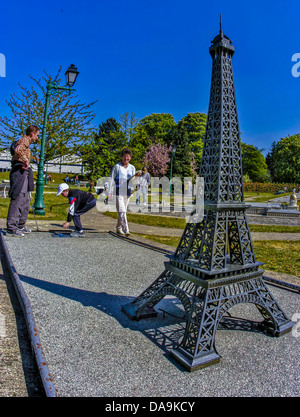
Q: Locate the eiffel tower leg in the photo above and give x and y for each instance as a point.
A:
(166, 284)
(256, 292)
(275, 320)
(197, 348)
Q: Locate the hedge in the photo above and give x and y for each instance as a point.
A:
(268, 187)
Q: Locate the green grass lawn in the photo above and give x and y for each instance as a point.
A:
(56, 178)
(273, 228)
(57, 212)
(180, 223)
(55, 207)
(262, 197)
(278, 255)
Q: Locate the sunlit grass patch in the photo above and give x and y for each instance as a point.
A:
(278, 255)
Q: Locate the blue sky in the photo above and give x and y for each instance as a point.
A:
(152, 56)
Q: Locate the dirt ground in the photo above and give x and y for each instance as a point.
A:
(19, 375)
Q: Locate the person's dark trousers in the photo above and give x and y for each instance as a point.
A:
(18, 212)
(78, 213)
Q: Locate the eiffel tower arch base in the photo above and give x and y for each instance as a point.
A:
(205, 302)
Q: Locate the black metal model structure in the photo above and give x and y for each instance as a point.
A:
(214, 265)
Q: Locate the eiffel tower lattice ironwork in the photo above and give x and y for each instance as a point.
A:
(214, 265)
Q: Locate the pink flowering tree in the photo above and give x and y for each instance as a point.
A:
(156, 160)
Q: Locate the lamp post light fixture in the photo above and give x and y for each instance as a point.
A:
(52, 87)
(171, 167)
(71, 75)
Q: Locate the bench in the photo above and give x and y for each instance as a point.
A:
(4, 188)
(83, 183)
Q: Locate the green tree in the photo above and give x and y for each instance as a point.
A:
(129, 123)
(103, 152)
(286, 159)
(270, 159)
(69, 121)
(159, 127)
(139, 144)
(195, 125)
(254, 163)
(184, 157)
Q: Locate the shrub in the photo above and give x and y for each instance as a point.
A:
(267, 187)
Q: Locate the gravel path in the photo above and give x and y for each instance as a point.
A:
(145, 342)
(92, 349)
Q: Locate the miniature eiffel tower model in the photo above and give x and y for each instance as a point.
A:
(214, 266)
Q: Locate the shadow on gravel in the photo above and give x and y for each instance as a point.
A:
(166, 330)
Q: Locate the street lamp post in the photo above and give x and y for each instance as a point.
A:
(71, 75)
(171, 167)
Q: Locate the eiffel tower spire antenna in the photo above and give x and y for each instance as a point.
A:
(221, 30)
(214, 266)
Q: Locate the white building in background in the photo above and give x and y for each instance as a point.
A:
(69, 164)
(5, 160)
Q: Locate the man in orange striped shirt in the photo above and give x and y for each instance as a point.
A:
(22, 151)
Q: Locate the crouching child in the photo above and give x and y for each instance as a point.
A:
(80, 202)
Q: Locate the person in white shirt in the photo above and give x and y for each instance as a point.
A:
(143, 183)
(121, 174)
